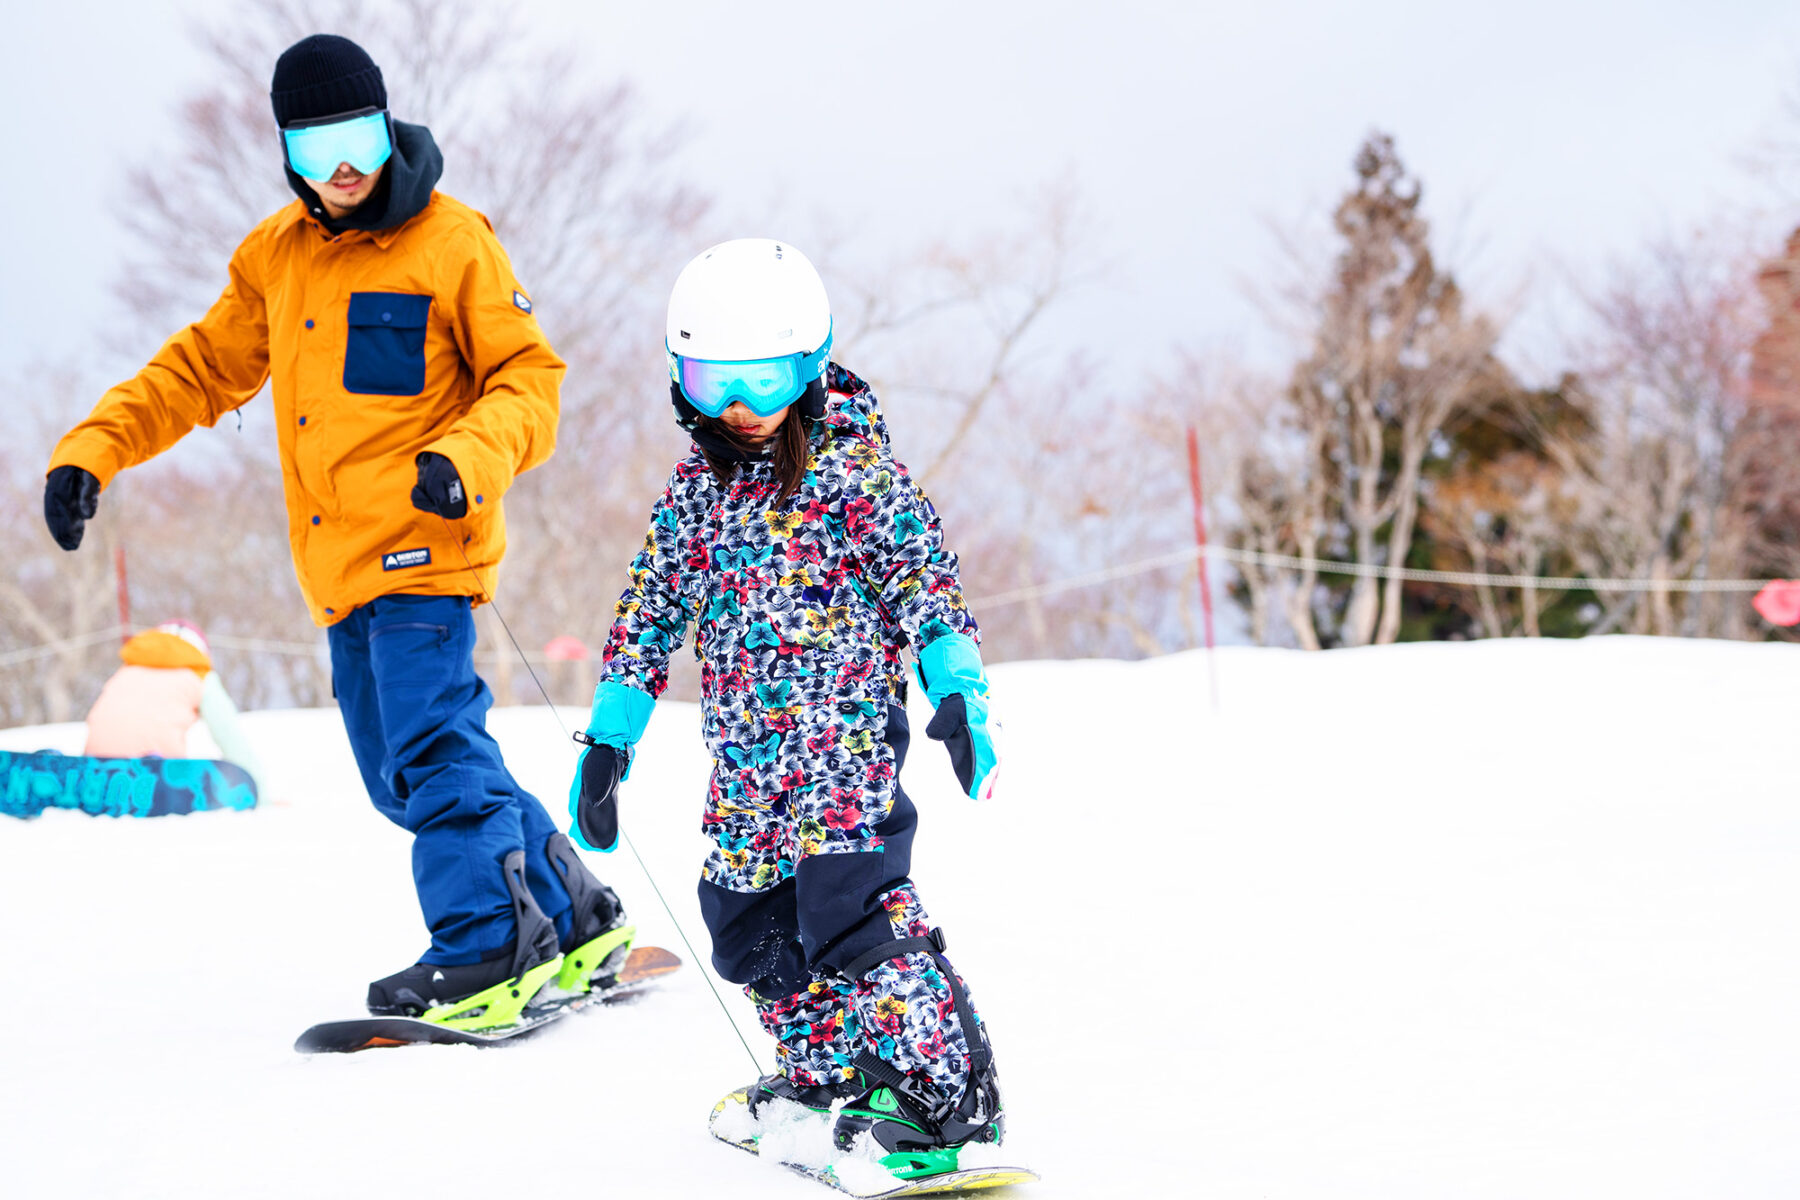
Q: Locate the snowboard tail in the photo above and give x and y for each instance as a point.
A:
(120, 787)
(642, 967)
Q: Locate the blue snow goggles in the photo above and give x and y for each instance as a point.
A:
(764, 385)
(316, 147)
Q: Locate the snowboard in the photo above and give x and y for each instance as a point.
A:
(643, 966)
(120, 787)
(970, 1179)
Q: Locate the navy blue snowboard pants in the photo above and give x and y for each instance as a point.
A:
(403, 668)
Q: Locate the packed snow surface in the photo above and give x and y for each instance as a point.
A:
(1485, 920)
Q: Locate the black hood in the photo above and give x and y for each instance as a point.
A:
(405, 189)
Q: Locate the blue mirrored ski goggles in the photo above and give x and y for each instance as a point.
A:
(315, 148)
(764, 385)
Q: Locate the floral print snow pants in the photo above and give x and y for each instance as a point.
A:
(804, 882)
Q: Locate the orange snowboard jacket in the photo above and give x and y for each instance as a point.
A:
(379, 345)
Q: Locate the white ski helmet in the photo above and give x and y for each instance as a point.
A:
(748, 321)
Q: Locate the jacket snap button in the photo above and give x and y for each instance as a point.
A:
(847, 707)
(315, 520)
(387, 316)
(309, 324)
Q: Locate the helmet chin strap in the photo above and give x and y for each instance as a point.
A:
(686, 415)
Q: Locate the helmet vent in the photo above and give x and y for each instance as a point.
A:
(786, 333)
(686, 334)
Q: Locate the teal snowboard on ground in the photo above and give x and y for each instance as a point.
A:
(120, 787)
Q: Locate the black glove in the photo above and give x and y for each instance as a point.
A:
(597, 800)
(440, 488)
(71, 497)
(962, 724)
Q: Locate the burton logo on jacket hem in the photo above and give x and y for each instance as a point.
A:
(522, 300)
(399, 560)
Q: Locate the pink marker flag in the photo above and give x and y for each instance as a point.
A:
(1779, 602)
(565, 649)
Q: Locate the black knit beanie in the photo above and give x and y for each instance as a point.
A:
(323, 75)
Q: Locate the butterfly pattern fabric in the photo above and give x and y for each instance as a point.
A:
(903, 1008)
(800, 609)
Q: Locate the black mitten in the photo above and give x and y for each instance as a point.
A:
(597, 801)
(961, 723)
(71, 497)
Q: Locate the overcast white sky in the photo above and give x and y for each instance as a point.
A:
(1549, 134)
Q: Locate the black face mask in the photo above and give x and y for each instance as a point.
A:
(810, 406)
(413, 169)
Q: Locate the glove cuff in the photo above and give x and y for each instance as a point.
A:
(951, 666)
(619, 715)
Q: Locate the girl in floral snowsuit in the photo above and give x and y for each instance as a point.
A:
(807, 559)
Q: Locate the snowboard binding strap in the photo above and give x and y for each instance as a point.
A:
(932, 944)
(980, 1053)
(926, 1105)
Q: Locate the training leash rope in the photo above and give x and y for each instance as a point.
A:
(623, 836)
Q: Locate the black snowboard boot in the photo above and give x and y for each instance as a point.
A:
(739, 1117)
(779, 1089)
(914, 1129)
(599, 937)
(486, 994)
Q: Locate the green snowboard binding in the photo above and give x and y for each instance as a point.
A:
(918, 1133)
(599, 939)
(490, 994)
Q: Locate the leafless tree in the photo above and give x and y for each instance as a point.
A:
(1766, 454)
(57, 611)
(583, 196)
(1265, 493)
(1395, 359)
(596, 219)
(1505, 517)
(1656, 487)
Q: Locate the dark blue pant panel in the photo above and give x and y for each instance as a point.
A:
(826, 915)
(404, 671)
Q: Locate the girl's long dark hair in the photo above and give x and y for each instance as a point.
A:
(790, 453)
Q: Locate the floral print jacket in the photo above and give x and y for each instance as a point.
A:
(801, 607)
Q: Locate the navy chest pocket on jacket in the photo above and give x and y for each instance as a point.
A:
(385, 353)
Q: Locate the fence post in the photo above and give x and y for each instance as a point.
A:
(124, 595)
(1206, 605)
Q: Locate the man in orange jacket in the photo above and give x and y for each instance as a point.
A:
(411, 384)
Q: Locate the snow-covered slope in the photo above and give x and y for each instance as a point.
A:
(1488, 920)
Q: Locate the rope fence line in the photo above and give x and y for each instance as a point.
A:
(1142, 566)
(223, 641)
(227, 641)
(49, 649)
(1326, 566)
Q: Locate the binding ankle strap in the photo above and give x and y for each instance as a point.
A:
(980, 1055)
(933, 944)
